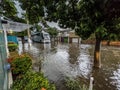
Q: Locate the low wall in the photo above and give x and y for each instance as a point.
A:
(111, 43)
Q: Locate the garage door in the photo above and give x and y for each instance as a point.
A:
(75, 40)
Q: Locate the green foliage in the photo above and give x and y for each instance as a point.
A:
(66, 39)
(32, 81)
(21, 64)
(52, 31)
(34, 10)
(37, 27)
(12, 46)
(8, 8)
(17, 19)
(74, 85)
(26, 79)
(96, 16)
(64, 11)
(87, 17)
(20, 34)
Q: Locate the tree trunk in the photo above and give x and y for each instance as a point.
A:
(97, 55)
(108, 42)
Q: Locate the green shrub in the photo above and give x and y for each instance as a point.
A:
(26, 79)
(66, 39)
(20, 65)
(12, 46)
(74, 85)
(32, 81)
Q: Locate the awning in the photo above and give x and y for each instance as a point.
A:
(15, 26)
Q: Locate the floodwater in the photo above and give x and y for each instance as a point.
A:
(59, 61)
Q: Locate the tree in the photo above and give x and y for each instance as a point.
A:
(53, 32)
(88, 17)
(8, 8)
(34, 10)
(38, 27)
(99, 21)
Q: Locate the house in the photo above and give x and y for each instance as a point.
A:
(69, 36)
(73, 38)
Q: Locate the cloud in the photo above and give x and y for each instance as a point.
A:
(17, 5)
(53, 24)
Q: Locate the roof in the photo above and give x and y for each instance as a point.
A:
(72, 34)
(15, 26)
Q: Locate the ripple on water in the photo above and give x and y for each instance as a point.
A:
(73, 61)
(116, 78)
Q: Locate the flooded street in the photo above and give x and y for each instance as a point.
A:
(76, 61)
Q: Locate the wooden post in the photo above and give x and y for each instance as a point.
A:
(29, 36)
(6, 41)
(68, 40)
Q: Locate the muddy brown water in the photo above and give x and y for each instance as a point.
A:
(76, 61)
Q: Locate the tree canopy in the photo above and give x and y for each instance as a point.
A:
(86, 17)
(34, 10)
(52, 31)
(8, 8)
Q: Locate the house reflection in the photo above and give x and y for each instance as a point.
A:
(74, 52)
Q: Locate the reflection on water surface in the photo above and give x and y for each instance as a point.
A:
(75, 61)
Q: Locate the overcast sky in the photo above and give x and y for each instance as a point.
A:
(18, 8)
